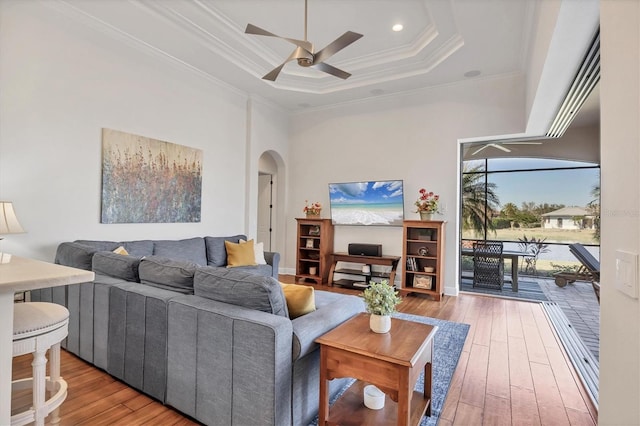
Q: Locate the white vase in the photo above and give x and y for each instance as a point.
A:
(380, 323)
(426, 216)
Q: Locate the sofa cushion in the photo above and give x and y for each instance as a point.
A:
(134, 248)
(240, 254)
(100, 245)
(139, 248)
(168, 274)
(240, 288)
(332, 309)
(264, 270)
(116, 265)
(75, 255)
(216, 252)
(300, 299)
(191, 250)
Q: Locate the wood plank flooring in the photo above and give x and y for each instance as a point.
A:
(512, 371)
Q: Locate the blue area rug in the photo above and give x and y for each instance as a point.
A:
(527, 290)
(448, 343)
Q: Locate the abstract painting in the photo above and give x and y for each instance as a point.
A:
(146, 180)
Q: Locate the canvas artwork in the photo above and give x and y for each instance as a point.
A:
(146, 180)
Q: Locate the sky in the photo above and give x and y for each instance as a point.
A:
(366, 192)
(568, 187)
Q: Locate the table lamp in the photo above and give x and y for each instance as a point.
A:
(8, 225)
(8, 221)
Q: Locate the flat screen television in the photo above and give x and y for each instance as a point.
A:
(367, 203)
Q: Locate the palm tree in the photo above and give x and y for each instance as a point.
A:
(478, 200)
(594, 206)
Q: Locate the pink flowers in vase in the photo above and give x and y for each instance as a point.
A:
(312, 210)
(427, 202)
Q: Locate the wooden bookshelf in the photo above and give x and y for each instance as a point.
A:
(423, 257)
(314, 246)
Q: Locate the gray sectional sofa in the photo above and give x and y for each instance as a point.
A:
(215, 343)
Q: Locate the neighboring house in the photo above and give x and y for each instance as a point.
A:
(568, 218)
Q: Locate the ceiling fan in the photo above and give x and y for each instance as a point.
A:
(499, 145)
(304, 52)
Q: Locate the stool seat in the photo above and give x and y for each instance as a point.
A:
(38, 327)
(34, 318)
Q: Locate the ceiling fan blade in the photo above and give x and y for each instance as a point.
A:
(500, 147)
(335, 46)
(273, 74)
(480, 149)
(252, 29)
(332, 70)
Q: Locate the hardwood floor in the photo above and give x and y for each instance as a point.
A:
(512, 371)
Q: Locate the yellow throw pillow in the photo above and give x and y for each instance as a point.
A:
(300, 299)
(240, 254)
(121, 250)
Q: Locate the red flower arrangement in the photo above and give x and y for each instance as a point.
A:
(427, 202)
(314, 209)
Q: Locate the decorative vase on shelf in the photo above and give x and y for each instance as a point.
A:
(380, 323)
(426, 215)
(313, 216)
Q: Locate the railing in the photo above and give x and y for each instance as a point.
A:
(554, 257)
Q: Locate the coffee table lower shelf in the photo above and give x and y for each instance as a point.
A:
(349, 409)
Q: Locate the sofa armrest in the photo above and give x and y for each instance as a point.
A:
(332, 309)
(228, 364)
(273, 259)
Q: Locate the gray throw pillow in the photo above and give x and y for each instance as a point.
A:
(116, 265)
(169, 274)
(216, 251)
(240, 288)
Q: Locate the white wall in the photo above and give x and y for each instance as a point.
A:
(268, 131)
(411, 137)
(61, 83)
(620, 113)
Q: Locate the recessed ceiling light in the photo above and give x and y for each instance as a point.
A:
(472, 73)
(397, 27)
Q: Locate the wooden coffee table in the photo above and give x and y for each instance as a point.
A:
(391, 361)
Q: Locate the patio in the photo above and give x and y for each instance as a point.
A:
(577, 301)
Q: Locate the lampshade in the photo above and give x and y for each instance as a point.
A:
(8, 221)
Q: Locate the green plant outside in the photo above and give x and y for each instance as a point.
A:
(381, 298)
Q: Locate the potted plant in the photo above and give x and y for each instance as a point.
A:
(381, 300)
(313, 210)
(427, 204)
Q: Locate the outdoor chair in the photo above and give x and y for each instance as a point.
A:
(488, 265)
(589, 271)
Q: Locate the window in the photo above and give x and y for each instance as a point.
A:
(550, 202)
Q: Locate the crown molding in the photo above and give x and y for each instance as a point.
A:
(92, 22)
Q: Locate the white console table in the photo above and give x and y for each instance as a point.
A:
(21, 274)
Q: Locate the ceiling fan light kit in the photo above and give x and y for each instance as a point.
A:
(304, 53)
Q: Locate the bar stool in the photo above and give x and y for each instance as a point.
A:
(37, 327)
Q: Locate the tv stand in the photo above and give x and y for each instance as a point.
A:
(388, 261)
